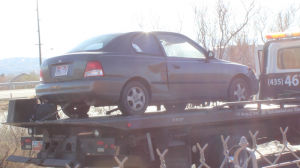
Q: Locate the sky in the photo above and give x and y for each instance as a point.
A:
(66, 23)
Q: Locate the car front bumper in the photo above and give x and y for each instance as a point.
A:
(94, 90)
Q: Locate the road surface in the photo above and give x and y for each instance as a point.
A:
(19, 93)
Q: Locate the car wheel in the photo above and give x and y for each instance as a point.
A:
(78, 109)
(134, 99)
(178, 107)
(239, 91)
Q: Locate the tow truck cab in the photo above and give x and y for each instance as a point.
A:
(278, 66)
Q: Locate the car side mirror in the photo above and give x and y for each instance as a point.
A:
(211, 54)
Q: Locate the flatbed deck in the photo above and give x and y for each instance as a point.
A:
(200, 116)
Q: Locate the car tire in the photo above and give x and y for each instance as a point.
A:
(177, 107)
(79, 109)
(238, 91)
(134, 99)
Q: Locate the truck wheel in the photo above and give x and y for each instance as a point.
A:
(79, 109)
(178, 107)
(134, 99)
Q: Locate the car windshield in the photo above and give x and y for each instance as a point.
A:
(94, 43)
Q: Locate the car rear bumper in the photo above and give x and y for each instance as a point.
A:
(94, 90)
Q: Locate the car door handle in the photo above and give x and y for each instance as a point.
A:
(176, 66)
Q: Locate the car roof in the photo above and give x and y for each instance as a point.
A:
(135, 32)
(120, 43)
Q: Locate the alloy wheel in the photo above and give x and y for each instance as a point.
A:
(136, 98)
(240, 92)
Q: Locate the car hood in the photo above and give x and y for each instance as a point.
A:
(224, 62)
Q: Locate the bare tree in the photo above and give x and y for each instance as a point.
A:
(154, 19)
(260, 23)
(243, 50)
(229, 31)
(179, 24)
(205, 28)
(285, 18)
(202, 25)
(140, 20)
(218, 32)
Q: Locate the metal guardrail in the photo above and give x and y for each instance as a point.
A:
(13, 84)
(20, 83)
(235, 158)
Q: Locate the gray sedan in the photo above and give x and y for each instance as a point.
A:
(136, 69)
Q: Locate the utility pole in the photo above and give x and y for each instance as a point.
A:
(38, 21)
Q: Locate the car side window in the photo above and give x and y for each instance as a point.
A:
(177, 46)
(145, 43)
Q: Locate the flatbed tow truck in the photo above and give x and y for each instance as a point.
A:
(94, 141)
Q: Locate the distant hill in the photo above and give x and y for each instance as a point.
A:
(19, 65)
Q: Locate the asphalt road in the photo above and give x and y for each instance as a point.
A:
(20, 93)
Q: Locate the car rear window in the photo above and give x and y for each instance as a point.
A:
(94, 43)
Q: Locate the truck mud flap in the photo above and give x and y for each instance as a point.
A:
(21, 159)
(47, 162)
(56, 162)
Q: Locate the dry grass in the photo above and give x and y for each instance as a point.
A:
(274, 148)
(3, 105)
(10, 141)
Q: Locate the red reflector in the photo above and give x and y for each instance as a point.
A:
(93, 68)
(112, 146)
(41, 76)
(22, 143)
(100, 143)
(129, 125)
(105, 146)
(27, 140)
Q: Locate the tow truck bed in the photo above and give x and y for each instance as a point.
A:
(200, 116)
(94, 141)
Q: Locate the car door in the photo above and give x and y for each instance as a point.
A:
(148, 63)
(190, 73)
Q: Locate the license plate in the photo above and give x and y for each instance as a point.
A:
(100, 149)
(61, 70)
(37, 145)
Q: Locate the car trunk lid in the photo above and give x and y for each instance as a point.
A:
(64, 68)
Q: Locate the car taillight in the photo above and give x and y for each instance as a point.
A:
(100, 143)
(41, 76)
(93, 68)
